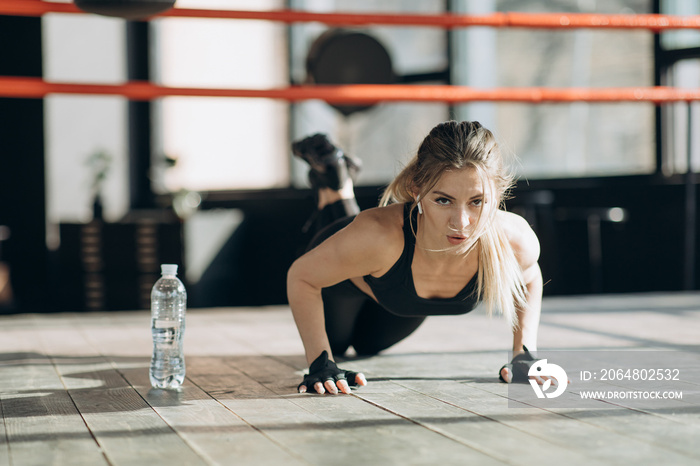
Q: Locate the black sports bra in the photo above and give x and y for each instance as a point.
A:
(396, 292)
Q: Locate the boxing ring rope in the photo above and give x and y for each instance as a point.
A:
(23, 87)
(501, 19)
(26, 87)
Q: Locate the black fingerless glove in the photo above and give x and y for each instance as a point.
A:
(519, 367)
(323, 369)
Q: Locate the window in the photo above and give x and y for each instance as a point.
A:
(681, 119)
(681, 38)
(87, 49)
(221, 143)
(679, 59)
(550, 140)
(575, 139)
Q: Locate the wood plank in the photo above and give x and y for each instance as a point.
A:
(208, 427)
(217, 434)
(468, 426)
(125, 426)
(42, 424)
(426, 379)
(661, 426)
(608, 435)
(432, 399)
(647, 320)
(4, 447)
(471, 414)
(666, 428)
(261, 390)
(618, 343)
(370, 434)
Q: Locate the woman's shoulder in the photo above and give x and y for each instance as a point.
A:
(386, 215)
(521, 237)
(382, 222)
(374, 238)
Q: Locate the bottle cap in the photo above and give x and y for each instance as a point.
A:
(168, 269)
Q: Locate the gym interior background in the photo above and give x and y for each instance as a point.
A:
(97, 191)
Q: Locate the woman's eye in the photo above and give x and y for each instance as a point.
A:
(442, 201)
(477, 202)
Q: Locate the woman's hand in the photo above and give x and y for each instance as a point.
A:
(324, 375)
(517, 370)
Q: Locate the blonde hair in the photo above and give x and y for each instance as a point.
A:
(456, 146)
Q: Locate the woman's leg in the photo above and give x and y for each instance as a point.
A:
(326, 216)
(376, 329)
(342, 304)
(354, 319)
(331, 174)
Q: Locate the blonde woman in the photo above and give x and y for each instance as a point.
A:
(439, 244)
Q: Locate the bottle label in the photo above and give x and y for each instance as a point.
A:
(159, 323)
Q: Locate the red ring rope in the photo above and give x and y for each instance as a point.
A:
(356, 93)
(526, 20)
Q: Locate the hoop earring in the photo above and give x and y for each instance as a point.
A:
(420, 208)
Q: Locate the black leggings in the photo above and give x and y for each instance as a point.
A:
(352, 317)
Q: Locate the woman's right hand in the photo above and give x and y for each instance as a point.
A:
(324, 375)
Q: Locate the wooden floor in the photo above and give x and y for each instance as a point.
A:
(74, 390)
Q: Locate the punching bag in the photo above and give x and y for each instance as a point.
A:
(340, 56)
(127, 9)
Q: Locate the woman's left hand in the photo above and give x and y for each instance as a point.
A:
(517, 371)
(506, 375)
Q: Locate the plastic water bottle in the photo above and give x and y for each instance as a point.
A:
(168, 305)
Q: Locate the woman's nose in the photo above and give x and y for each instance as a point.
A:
(461, 220)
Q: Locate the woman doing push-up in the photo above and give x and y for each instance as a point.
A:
(438, 244)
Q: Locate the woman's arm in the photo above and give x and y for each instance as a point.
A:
(363, 247)
(526, 247)
(529, 318)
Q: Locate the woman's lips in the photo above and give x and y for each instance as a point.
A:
(455, 240)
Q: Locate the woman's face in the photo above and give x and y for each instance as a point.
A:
(451, 209)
